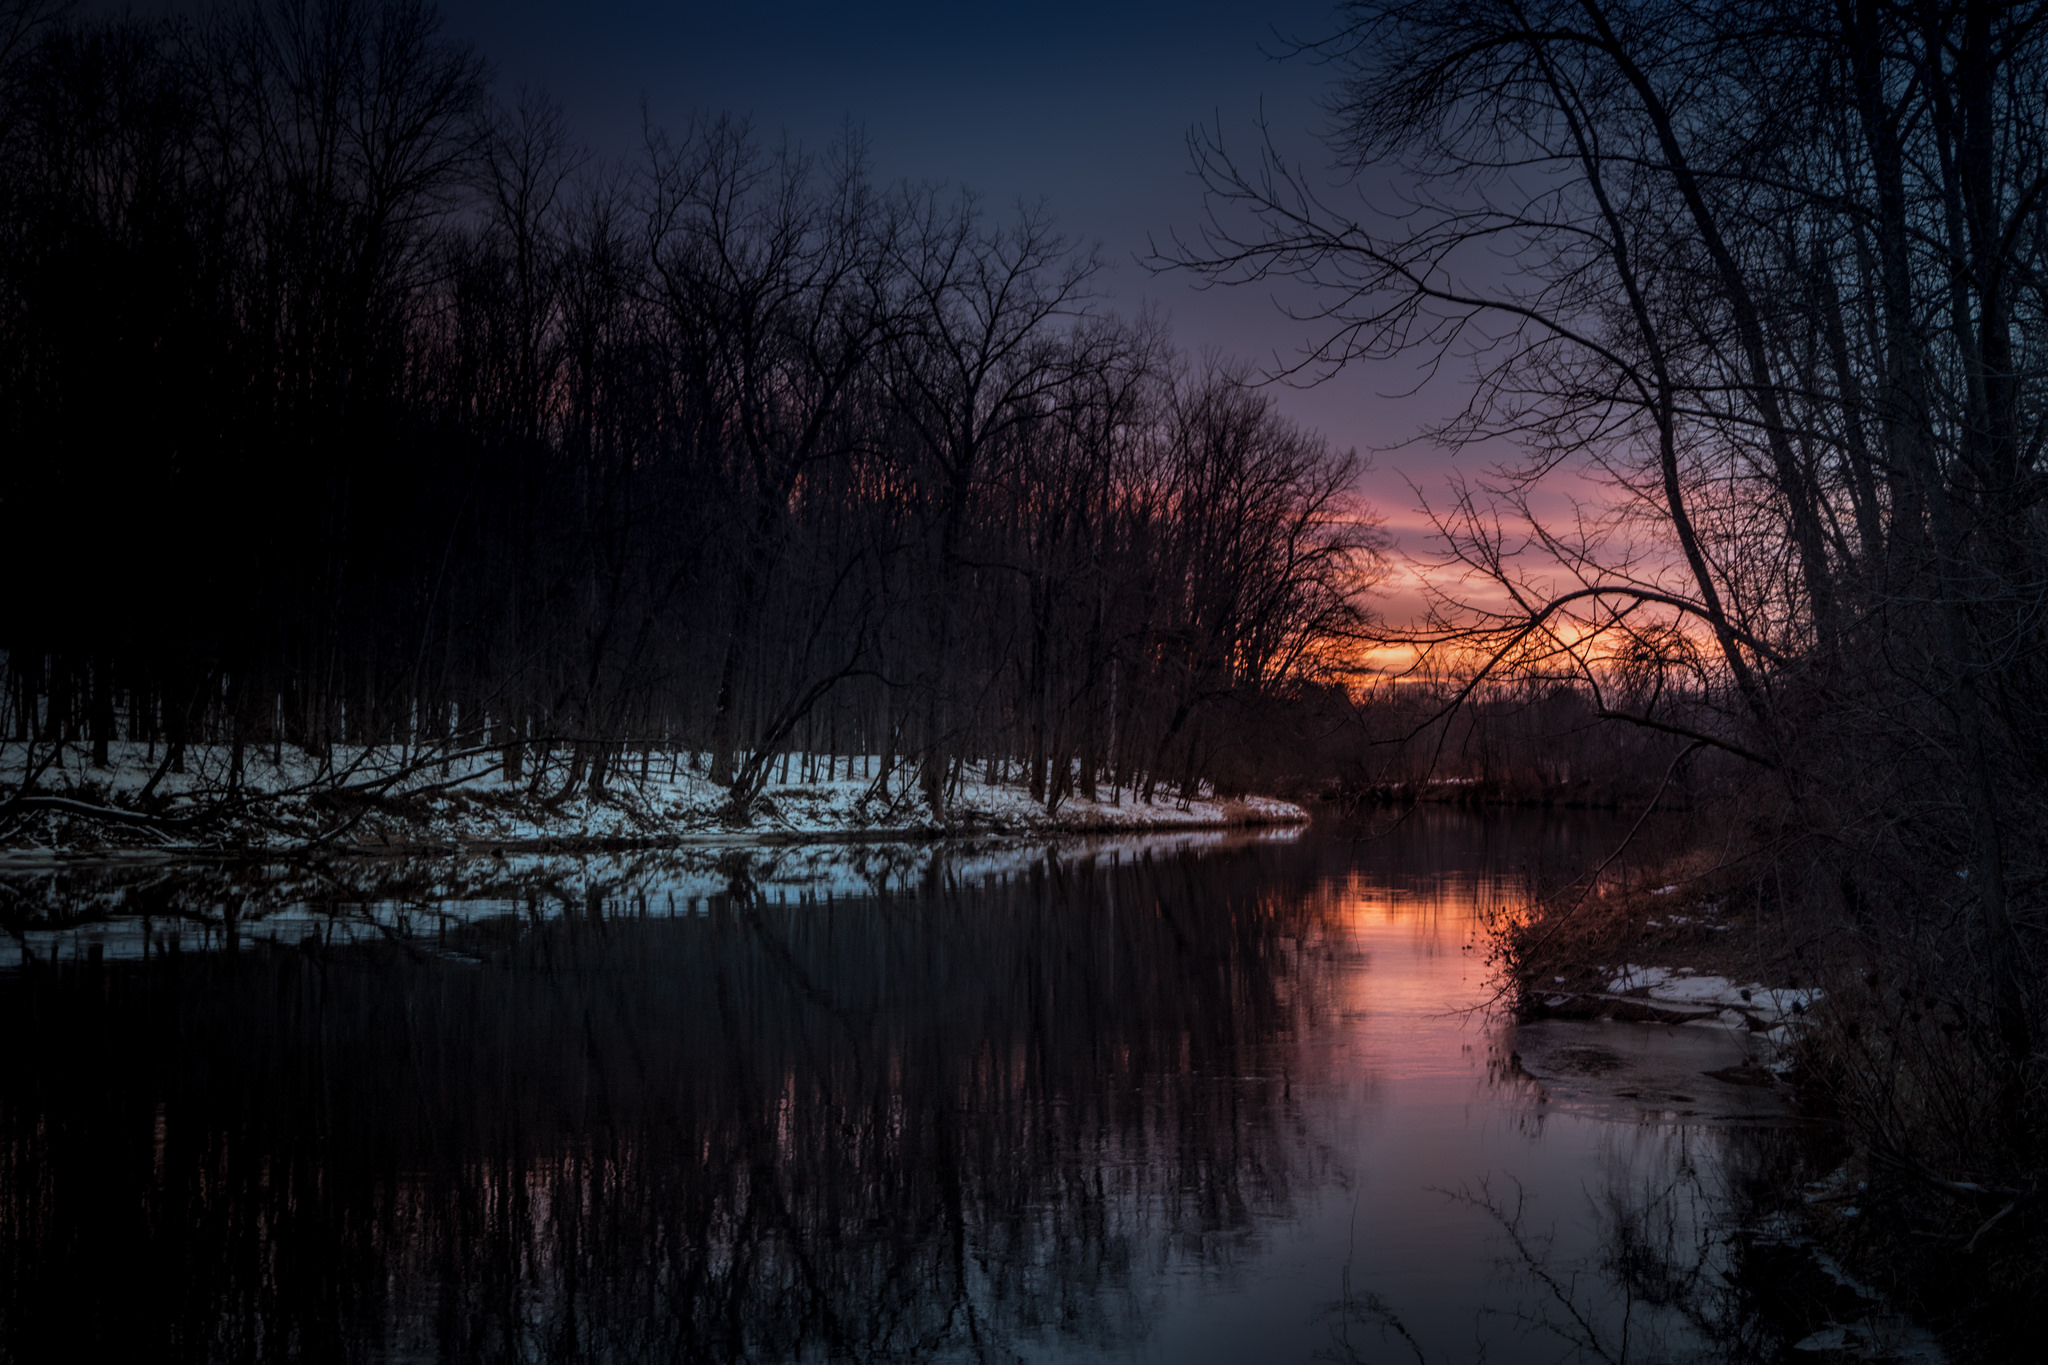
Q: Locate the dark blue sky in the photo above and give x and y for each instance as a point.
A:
(1085, 105)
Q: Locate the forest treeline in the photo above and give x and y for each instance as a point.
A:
(349, 403)
(1508, 742)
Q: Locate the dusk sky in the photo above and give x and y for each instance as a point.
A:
(1086, 106)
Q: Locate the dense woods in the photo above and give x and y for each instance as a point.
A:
(348, 402)
(1771, 279)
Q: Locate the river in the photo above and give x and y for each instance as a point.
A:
(1212, 1097)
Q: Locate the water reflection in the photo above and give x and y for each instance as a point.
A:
(123, 907)
(1666, 1277)
(916, 1124)
(1166, 1101)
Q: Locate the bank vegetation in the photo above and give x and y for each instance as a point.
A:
(1769, 279)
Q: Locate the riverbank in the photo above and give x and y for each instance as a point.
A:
(1883, 1236)
(390, 799)
(135, 904)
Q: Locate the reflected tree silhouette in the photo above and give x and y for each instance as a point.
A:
(1669, 1279)
(938, 1122)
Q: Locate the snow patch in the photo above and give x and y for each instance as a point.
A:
(1755, 998)
(388, 795)
(1633, 978)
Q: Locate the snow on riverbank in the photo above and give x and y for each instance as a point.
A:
(1683, 986)
(392, 797)
(1770, 1018)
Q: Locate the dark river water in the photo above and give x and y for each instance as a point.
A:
(1186, 1099)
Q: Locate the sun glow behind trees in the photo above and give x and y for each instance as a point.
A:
(1772, 276)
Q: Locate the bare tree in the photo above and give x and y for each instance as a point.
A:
(1771, 277)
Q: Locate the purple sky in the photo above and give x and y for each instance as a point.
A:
(1085, 105)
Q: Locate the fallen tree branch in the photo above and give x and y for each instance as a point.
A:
(119, 815)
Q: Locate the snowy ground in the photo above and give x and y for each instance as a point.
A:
(1776, 1015)
(391, 796)
(1769, 1020)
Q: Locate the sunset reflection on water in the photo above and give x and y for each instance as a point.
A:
(1219, 1102)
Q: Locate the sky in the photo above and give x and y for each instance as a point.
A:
(1084, 106)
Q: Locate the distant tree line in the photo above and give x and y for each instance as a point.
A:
(1521, 741)
(346, 404)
